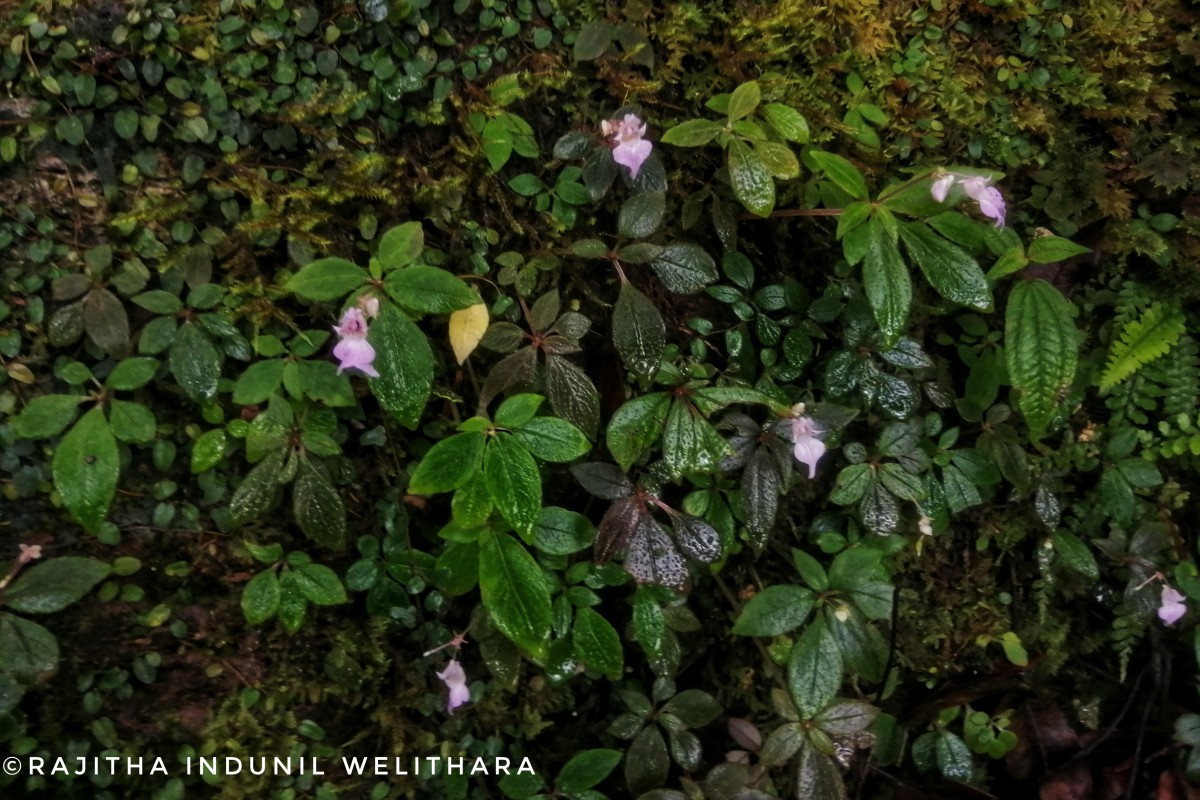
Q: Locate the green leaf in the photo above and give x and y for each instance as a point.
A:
(948, 268)
(843, 174)
(635, 426)
(1050, 249)
(818, 776)
(953, 757)
(106, 322)
(1141, 341)
(693, 707)
(887, 282)
(449, 464)
(208, 451)
(593, 40)
(1140, 473)
(690, 442)
(257, 490)
(514, 591)
(404, 361)
(552, 439)
(318, 507)
(260, 380)
(639, 332)
(28, 652)
(684, 268)
(641, 215)
(319, 584)
(774, 611)
(327, 279)
(646, 762)
(131, 422)
(572, 394)
(260, 598)
(814, 669)
(597, 643)
(429, 290)
(195, 363)
(787, 122)
(561, 532)
(131, 373)
(693, 133)
(513, 482)
(847, 718)
(85, 468)
(518, 409)
(53, 585)
(778, 158)
(743, 101)
(901, 483)
(1075, 555)
(1041, 347)
(401, 245)
(586, 769)
(293, 607)
(47, 415)
(751, 180)
(851, 484)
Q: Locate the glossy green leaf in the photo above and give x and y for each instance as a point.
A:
(195, 362)
(744, 101)
(597, 643)
(814, 669)
(887, 282)
(208, 451)
(844, 174)
(690, 442)
(131, 373)
(28, 652)
(257, 490)
(429, 290)
(132, 423)
(774, 611)
(586, 769)
(639, 332)
(318, 507)
(751, 179)
(319, 584)
(514, 591)
(552, 439)
(55, 584)
(692, 133)
(449, 464)
(684, 268)
(1051, 249)
(1042, 350)
(513, 482)
(641, 215)
(949, 269)
(260, 597)
(404, 361)
(85, 468)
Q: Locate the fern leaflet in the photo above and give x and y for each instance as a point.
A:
(1143, 340)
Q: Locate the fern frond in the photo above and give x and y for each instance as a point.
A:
(1143, 340)
(1179, 375)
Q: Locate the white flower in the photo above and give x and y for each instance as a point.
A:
(941, 187)
(29, 552)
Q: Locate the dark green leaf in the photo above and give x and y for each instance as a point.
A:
(887, 282)
(597, 643)
(53, 585)
(639, 332)
(552, 439)
(28, 652)
(948, 268)
(260, 380)
(85, 467)
(131, 373)
(586, 769)
(1050, 249)
(1075, 555)
(641, 215)
(131, 422)
(844, 174)
(684, 268)
(260, 597)
(319, 584)
(814, 670)
(646, 762)
(561, 532)
(47, 415)
(195, 363)
(572, 394)
(774, 611)
(1041, 347)
(690, 442)
(105, 320)
(751, 180)
(318, 507)
(257, 490)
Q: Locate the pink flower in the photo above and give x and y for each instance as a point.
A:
(978, 188)
(1172, 608)
(369, 304)
(806, 447)
(354, 351)
(631, 149)
(456, 681)
(29, 552)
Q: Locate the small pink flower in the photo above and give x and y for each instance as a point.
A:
(1172, 608)
(941, 187)
(806, 447)
(29, 552)
(354, 351)
(369, 304)
(631, 149)
(456, 681)
(978, 188)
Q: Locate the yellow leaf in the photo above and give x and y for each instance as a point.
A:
(467, 327)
